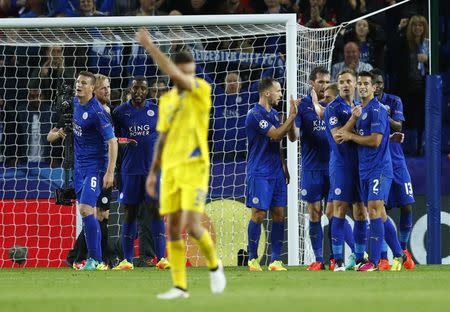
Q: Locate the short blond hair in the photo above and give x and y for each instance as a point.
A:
(99, 78)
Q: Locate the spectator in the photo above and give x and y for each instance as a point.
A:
(370, 39)
(149, 8)
(234, 7)
(106, 55)
(34, 8)
(274, 7)
(46, 77)
(87, 8)
(124, 7)
(323, 9)
(62, 8)
(11, 141)
(36, 118)
(414, 52)
(194, 7)
(351, 61)
(316, 21)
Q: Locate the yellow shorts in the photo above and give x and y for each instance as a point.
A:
(184, 188)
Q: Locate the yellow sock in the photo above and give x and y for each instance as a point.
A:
(208, 250)
(177, 254)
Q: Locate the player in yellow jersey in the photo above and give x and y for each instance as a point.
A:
(182, 155)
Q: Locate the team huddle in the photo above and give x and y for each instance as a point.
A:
(349, 159)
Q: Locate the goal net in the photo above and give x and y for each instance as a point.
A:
(231, 52)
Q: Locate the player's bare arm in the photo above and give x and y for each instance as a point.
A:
(395, 125)
(285, 167)
(108, 179)
(150, 184)
(279, 133)
(373, 140)
(182, 80)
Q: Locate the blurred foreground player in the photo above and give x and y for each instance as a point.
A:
(182, 155)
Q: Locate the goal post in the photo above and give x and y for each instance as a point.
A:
(247, 44)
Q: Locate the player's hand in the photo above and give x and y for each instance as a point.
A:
(108, 180)
(61, 133)
(422, 57)
(356, 111)
(343, 136)
(143, 37)
(397, 137)
(293, 109)
(150, 184)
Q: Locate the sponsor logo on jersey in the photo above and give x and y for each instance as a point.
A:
(318, 125)
(139, 130)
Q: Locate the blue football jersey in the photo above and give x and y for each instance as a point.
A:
(396, 112)
(263, 158)
(138, 124)
(313, 138)
(337, 114)
(91, 128)
(374, 119)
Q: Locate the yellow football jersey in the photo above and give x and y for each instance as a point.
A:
(185, 118)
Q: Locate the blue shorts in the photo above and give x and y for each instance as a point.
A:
(315, 185)
(88, 185)
(401, 193)
(265, 193)
(133, 190)
(344, 185)
(375, 188)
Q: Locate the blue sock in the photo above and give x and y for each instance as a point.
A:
(99, 243)
(405, 228)
(337, 237)
(348, 235)
(390, 235)
(276, 239)
(376, 239)
(254, 233)
(360, 235)
(330, 224)
(159, 237)
(384, 248)
(129, 231)
(316, 237)
(91, 233)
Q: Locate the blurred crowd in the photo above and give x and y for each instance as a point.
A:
(395, 41)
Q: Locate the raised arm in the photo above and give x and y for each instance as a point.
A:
(167, 66)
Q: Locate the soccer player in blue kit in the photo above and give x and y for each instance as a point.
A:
(137, 119)
(94, 165)
(267, 173)
(401, 193)
(375, 170)
(315, 186)
(341, 114)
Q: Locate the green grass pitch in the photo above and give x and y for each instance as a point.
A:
(427, 288)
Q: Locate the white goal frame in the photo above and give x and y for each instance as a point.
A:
(291, 75)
